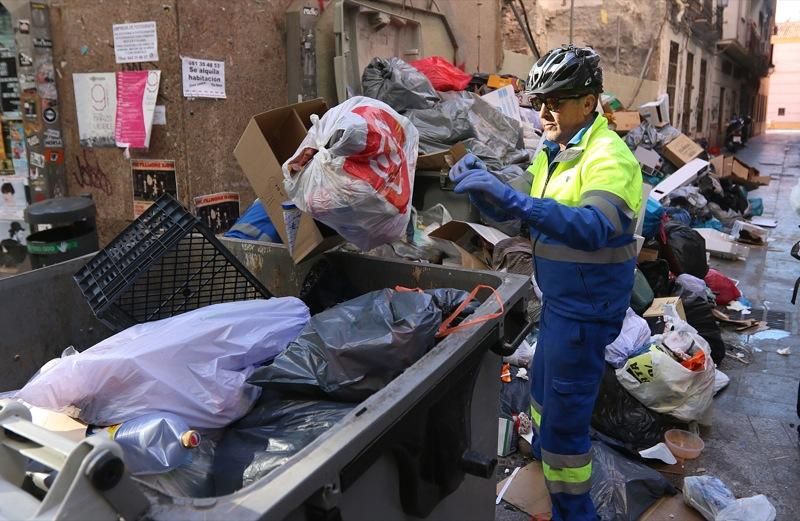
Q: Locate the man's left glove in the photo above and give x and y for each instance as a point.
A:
(491, 196)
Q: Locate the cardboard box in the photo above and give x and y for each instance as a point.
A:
(625, 121)
(720, 245)
(722, 165)
(657, 112)
(647, 158)
(269, 140)
(740, 169)
(681, 150)
(656, 309)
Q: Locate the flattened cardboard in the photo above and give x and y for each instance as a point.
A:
(647, 157)
(528, 491)
(720, 245)
(455, 230)
(647, 255)
(671, 508)
(656, 309)
(269, 140)
(681, 150)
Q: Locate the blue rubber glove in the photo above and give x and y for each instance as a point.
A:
(486, 192)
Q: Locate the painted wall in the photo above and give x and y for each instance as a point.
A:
(784, 85)
(249, 35)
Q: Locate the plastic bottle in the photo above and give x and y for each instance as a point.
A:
(153, 443)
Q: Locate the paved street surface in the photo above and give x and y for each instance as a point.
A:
(752, 445)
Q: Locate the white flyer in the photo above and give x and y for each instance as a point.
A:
(203, 78)
(96, 105)
(136, 42)
(505, 101)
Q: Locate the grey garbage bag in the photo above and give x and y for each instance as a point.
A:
(623, 489)
(442, 126)
(276, 429)
(398, 84)
(194, 479)
(352, 350)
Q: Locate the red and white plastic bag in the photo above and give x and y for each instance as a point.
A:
(354, 171)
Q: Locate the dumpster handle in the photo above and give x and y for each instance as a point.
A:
(508, 348)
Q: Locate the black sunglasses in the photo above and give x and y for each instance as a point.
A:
(552, 104)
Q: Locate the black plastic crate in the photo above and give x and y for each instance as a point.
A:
(165, 263)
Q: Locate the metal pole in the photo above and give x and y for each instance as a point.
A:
(571, 18)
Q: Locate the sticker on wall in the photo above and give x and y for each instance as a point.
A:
(52, 138)
(29, 101)
(160, 115)
(152, 178)
(203, 78)
(24, 26)
(136, 42)
(136, 102)
(54, 156)
(25, 60)
(96, 105)
(218, 211)
(37, 159)
(50, 115)
(33, 141)
(42, 43)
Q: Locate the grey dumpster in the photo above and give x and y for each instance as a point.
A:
(65, 230)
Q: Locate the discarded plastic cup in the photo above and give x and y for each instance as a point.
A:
(291, 219)
(684, 444)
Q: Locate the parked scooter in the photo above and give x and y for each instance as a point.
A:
(733, 134)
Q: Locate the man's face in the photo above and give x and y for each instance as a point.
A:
(562, 124)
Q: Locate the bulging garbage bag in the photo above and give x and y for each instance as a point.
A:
(623, 489)
(276, 429)
(194, 365)
(634, 334)
(657, 380)
(709, 496)
(398, 84)
(619, 415)
(356, 348)
(686, 250)
(443, 125)
(193, 479)
(442, 74)
(354, 171)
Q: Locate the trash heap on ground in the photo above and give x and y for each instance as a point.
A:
(262, 379)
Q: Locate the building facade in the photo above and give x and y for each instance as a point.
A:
(710, 57)
(783, 108)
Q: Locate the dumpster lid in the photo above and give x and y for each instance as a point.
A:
(64, 209)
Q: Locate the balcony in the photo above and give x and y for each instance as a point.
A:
(745, 46)
(699, 15)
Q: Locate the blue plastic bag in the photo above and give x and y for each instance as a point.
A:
(756, 206)
(652, 218)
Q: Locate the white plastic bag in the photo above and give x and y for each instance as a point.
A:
(756, 508)
(360, 174)
(523, 356)
(663, 385)
(714, 500)
(194, 365)
(634, 334)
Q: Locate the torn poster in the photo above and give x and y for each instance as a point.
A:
(9, 85)
(96, 105)
(136, 102)
(152, 178)
(19, 149)
(137, 42)
(12, 197)
(218, 211)
(203, 78)
(13, 251)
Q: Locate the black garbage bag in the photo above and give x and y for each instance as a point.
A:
(699, 315)
(623, 489)
(398, 84)
(685, 250)
(356, 348)
(276, 429)
(621, 416)
(657, 274)
(324, 287)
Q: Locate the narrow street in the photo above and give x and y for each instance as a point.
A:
(753, 443)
